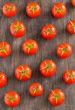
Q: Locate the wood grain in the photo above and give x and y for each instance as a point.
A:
(46, 50)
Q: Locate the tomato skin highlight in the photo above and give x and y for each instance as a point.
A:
(69, 76)
(9, 9)
(56, 97)
(71, 26)
(17, 29)
(48, 31)
(59, 10)
(64, 50)
(47, 68)
(3, 79)
(30, 47)
(23, 72)
(35, 89)
(5, 49)
(33, 9)
(11, 98)
(73, 2)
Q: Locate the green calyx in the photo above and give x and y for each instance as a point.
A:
(48, 66)
(11, 98)
(29, 46)
(63, 50)
(48, 30)
(3, 49)
(35, 89)
(56, 96)
(70, 75)
(9, 7)
(23, 72)
(58, 10)
(17, 27)
(73, 25)
(33, 8)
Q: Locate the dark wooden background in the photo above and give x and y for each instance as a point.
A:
(46, 50)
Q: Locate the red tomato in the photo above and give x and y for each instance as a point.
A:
(17, 29)
(9, 9)
(30, 47)
(11, 98)
(23, 72)
(47, 68)
(59, 10)
(33, 9)
(69, 76)
(71, 26)
(3, 79)
(48, 31)
(36, 89)
(5, 49)
(56, 97)
(64, 50)
(73, 2)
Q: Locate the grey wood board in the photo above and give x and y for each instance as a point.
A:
(47, 50)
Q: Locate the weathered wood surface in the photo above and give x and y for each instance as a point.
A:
(46, 50)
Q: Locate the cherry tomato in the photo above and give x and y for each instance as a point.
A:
(73, 2)
(3, 79)
(11, 98)
(64, 50)
(71, 26)
(5, 49)
(69, 76)
(59, 10)
(17, 29)
(33, 9)
(48, 31)
(23, 72)
(36, 89)
(30, 47)
(9, 9)
(47, 68)
(56, 97)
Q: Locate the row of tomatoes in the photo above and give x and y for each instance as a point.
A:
(33, 9)
(48, 31)
(18, 29)
(30, 47)
(24, 72)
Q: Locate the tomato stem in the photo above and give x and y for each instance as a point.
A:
(11, 97)
(9, 7)
(47, 67)
(58, 10)
(29, 46)
(64, 49)
(48, 30)
(3, 49)
(35, 89)
(73, 25)
(70, 75)
(56, 97)
(23, 71)
(17, 27)
(33, 8)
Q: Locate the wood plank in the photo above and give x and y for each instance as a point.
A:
(46, 50)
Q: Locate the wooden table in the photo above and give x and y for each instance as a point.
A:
(46, 50)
